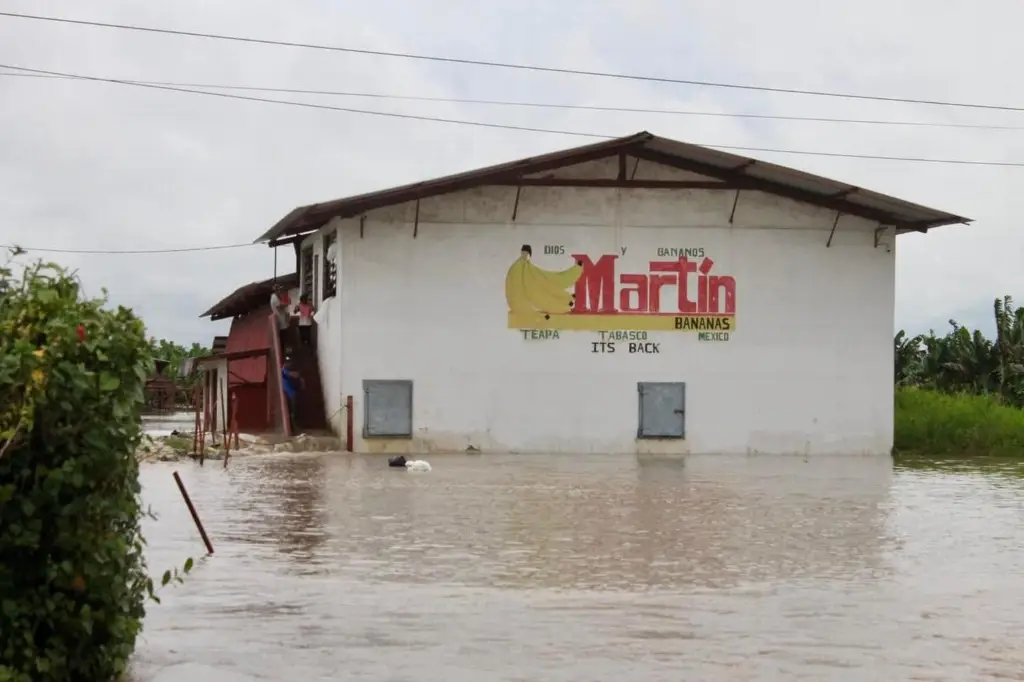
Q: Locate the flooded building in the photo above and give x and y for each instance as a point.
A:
(639, 295)
(239, 369)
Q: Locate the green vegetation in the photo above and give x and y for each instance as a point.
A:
(940, 424)
(178, 443)
(963, 361)
(73, 580)
(961, 394)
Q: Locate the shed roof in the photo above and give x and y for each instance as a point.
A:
(204, 361)
(249, 297)
(734, 171)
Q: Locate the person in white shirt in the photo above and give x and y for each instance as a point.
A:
(279, 303)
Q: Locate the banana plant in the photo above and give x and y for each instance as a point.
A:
(908, 354)
(1009, 346)
(964, 360)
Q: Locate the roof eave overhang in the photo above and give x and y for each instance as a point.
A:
(310, 218)
(926, 226)
(246, 299)
(307, 219)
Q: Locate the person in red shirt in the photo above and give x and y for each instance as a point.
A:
(305, 311)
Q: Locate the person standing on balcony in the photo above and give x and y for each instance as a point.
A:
(279, 303)
(305, 312)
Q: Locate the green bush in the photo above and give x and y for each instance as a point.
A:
(941, 424)
(73, 581)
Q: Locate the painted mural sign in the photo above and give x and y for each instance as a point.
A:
(679, 292)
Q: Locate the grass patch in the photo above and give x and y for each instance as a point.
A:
(178, 443)
(940, 424)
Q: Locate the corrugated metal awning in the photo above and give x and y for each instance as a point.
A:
(249, 297)
(739, 172)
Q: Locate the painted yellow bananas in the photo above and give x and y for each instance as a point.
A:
(563, 279)
(545, 297)
(515, 292)
(532, 290)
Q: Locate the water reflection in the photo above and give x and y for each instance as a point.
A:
(588, 568)
(662, 524)
(284, 500)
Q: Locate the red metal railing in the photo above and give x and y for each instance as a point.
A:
(199, 438)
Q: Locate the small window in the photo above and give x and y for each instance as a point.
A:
(330, 278)
(387, 408)
(662, 409)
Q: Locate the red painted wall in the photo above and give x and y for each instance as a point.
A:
(248, 333)
(247, 378)
(252, 408)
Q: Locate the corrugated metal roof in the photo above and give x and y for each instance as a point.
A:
(250, 297)
(249, 332)
(740, 171)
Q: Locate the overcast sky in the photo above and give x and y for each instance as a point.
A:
(105, 166)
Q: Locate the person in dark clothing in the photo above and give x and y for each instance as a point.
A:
(291, 382)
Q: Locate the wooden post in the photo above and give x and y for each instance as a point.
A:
(224, 428)
(192, 511)
(211, 419)
(199, 426)
(231, 430)
(202, 435)
(234, 417)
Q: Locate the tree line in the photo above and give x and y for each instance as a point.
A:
(965, 360)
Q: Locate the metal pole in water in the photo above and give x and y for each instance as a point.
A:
(192, 511)
(199, 426)
(349, 425)
(224, 429)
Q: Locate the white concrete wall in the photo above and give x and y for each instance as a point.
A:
(808, 368)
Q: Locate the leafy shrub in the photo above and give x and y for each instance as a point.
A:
(73, 581)
(928, 422)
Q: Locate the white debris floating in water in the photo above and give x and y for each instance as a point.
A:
(417, 465)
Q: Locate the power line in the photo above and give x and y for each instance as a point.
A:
(545, 105)
(509, 65)
(311, 105)
(503, 126)
(28, 249)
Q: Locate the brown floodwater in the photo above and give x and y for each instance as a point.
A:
(587, 568)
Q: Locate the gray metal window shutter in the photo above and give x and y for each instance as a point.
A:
(662, 409)
(387, 408)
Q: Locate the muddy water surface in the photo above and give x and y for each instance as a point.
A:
(331, 567)
(162, 424)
